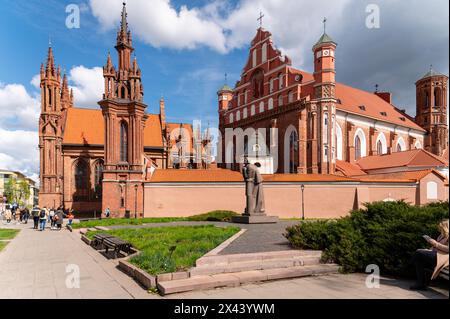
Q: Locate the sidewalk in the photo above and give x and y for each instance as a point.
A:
(33, 265)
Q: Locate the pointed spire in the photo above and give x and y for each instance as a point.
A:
(135, 67)
(124, 23)
(50, 58)
(162, 112)
(109, 62)
(124, 35)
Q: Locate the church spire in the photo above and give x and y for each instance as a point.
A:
(50, 67)
(124, 35)
(124, 44)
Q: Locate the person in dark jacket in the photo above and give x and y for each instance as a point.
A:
(59, 218)
(25, 215)
(35, 214)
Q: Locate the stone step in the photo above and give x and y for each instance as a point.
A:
(259, 264)
(284, 254)
(245, 277)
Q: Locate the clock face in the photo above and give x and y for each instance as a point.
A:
(225, 97)
(326, 52)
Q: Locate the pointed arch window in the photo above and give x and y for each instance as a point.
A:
(123, 141)
(379, 148)
(98, 179)
(357, 147)
(81, 179)
(293, 152)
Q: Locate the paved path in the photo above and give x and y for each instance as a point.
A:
(257, 238)
(33, 265)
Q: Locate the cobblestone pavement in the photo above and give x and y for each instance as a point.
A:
(257, 238)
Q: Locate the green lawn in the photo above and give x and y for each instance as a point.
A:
(7, 234)
(218, 215)
(188, 243)
(124, 221)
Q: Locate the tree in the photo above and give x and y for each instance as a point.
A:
(17, 191)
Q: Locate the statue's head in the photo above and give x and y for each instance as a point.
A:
(257, 164)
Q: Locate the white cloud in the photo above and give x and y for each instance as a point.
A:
(18, 109)
(87, 85)
(19, 151)
(219, 25)
(36, 81)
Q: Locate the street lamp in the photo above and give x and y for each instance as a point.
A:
(135, 200)
(303, 201)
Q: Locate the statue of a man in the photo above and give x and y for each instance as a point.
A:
(253, 189)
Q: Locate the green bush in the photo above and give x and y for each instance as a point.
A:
(383, 233)
(214, 216)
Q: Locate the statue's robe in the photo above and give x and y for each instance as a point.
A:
(254, 189)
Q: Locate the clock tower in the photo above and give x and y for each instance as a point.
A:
(322, 108)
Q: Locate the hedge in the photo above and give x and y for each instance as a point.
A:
(382, 233)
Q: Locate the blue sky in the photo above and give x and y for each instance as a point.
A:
(185, 47)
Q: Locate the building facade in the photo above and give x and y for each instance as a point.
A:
(88, 156)
(315, 120)
(302, 127)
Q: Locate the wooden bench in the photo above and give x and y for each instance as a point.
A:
(98, 241)
(117, 245)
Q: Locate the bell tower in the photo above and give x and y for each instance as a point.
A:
(322, 108)
(431, 110)
(124, 115)
(50, 135)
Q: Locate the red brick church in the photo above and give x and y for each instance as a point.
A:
(317, 123)
(91, 159)
(92, 155)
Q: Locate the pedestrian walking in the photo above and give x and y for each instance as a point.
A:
(8, 214)
(26, 215)
(59, 218)
(35, 214)
(107, 212)
(43, 216)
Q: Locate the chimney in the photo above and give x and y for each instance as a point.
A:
(162, 112)
(387, 96)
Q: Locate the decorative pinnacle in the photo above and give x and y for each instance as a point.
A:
(324, 25)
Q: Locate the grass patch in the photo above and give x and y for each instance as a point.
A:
(6, 234)
(124, 221)
(217, 215)
(170, 249)
(214, 216)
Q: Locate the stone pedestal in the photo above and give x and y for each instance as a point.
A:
(255, 219)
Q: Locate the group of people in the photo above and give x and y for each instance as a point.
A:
(15, 213)
(40, 216)
(55, 217)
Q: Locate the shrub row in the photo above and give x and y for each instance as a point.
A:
(382, 233)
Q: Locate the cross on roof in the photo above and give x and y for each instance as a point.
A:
(226, 75)
(324, 25)
(261, 16)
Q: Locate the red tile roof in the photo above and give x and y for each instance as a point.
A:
(412, 158)
(226, 175)
(86, 127)
(413, 176)
(348, 169)
(352, 98)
